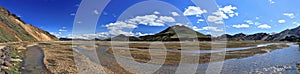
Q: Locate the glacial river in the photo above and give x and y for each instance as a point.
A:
(281, 61)
(275, 62)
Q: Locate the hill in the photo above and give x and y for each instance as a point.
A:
(286, 35)
(173, 33)
(13, 29)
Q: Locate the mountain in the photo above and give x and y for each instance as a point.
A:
(257, 36)
(13, 29)
(173, 33)
(244, 37)
(286, 35)
(123, 37)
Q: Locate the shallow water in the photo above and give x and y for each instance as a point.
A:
(224, 50)
(282, 61)
(33, 61)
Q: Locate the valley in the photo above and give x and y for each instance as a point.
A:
(67, 57)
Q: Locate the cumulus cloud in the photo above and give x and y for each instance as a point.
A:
(229, 10)
(222, 13)
(194, 10)
(118, 27)
(281, 21)
(218, 17)
(290, 15)
(241, 26)
(166, 19)
(175, 14)
(264, 26)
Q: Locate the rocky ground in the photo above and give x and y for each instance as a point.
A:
(10, 61)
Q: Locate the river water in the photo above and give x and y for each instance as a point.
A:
(227, 49)
(281, 61)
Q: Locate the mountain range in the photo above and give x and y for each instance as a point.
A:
(171, 34)
(13, 29)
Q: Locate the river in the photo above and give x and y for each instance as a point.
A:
(280, 61)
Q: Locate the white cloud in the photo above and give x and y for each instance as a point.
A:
(264, 26)
(249, 21)
(142, 34)
(257, 23)
(96, 12)
(215, 19)
(210, 28)
(193, 10)
(156, 12)
(222, 13)
(271, 1)
(200, 20)
(290, 15)
(175, 14)
(257, 18)
(102, 35)
(167, 19)
(281, 21)
(229, 10)
(62, 30)
(72, 14)
(296, 23)
(241, 26)
(118, 27)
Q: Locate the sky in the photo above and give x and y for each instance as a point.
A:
(141, 17)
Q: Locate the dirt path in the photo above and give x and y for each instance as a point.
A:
(33, 61)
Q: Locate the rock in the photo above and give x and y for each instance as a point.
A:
(16, 60)
(6, 63)
(4, 67)
(1, 61)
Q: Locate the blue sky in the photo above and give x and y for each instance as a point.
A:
(239, 16)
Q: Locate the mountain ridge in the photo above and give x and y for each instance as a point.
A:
(13, 29)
